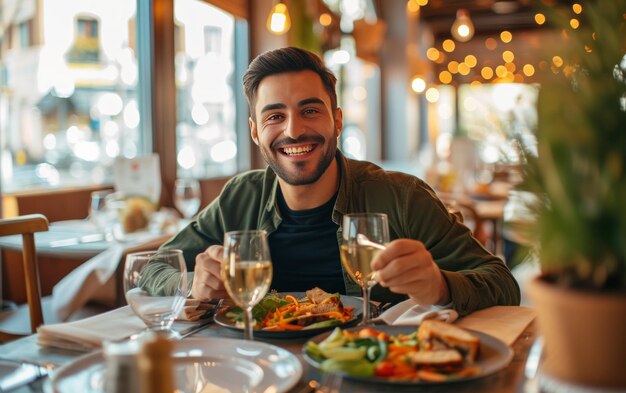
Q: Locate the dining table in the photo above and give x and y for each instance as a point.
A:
(511, 378)
(65, 248)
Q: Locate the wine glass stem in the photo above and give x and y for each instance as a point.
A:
(247, 334)
(366, 304)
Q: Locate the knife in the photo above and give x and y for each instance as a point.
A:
(24, 374)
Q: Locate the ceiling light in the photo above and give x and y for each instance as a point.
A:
(462, 28)
(278, 21)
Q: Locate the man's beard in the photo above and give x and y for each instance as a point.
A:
(300, 178)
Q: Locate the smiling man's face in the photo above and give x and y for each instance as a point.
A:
(295, 126)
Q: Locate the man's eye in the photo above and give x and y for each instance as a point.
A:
(274, 117)
(310, 111)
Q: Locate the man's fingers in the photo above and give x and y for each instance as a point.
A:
(397, 249)
(215, 252)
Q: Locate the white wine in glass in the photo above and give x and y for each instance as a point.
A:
(156, 303)
(364, 235)
(187, 197)
(247, 271)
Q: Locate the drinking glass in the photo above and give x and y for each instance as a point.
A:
(187, 197)
(100, 214)
(364, 235)
(156, 301)
(247, 270)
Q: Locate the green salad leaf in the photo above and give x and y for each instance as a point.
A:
(270, 302)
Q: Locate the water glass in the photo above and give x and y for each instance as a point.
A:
(99, 213)
(187, 197)
(155, 286)
(247, 270)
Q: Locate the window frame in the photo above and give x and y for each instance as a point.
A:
(155, 23)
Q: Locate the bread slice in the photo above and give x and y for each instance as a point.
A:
(436, 335)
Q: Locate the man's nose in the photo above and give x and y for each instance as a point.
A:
(294, 128)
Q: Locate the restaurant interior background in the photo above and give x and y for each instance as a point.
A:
(85, 82)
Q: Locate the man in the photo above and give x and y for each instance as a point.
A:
(307, 188)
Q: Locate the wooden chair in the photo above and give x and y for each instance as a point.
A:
(27, 226)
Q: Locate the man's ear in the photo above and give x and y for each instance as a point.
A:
(253, 131)
(338, 121)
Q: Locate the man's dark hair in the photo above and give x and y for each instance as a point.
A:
(283, 60)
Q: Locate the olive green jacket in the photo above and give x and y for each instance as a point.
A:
(476, 278)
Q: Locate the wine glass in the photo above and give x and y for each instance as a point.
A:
(364, 235)
(155, 286)
(187, 197)
(247, 270)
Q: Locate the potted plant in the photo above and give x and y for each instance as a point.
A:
(579, 176)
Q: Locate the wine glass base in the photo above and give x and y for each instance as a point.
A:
(151, 333)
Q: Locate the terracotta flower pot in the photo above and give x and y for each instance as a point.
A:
(584, 334)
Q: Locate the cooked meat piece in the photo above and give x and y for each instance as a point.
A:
(436, 358)
(326, 307)
(317, 295)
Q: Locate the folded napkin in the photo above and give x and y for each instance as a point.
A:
(89, 333)
(503, 322)
(410, 313)
(93, 279)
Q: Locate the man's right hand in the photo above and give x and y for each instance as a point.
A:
(207, 280)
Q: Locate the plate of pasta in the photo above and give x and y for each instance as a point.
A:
(296, 314)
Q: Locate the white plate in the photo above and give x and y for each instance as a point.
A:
(202, 364)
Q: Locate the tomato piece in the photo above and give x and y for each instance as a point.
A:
(384, 369)
(367, 332)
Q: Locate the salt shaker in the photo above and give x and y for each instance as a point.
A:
(156, 367)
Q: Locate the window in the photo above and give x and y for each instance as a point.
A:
(86, 48)
(70, 104)
(25, 34)
(358, 92)
(205, 79)
(499, 117)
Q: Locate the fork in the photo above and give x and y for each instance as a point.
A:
(330, 383)
(206, 320)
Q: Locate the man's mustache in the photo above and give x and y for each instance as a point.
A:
(302, 140)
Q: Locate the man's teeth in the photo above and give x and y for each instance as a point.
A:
(297, 150)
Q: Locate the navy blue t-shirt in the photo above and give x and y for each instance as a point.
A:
(304, 250)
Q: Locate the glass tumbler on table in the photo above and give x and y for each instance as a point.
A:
(100, 214)
(247, 271)
(156, 301)
(187, 197)
(364, 235)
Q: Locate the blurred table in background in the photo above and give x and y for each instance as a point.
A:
(66, 246)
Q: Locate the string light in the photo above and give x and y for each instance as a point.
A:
(279, 21)
(540, 18)
(462, 28)
(418, 84)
